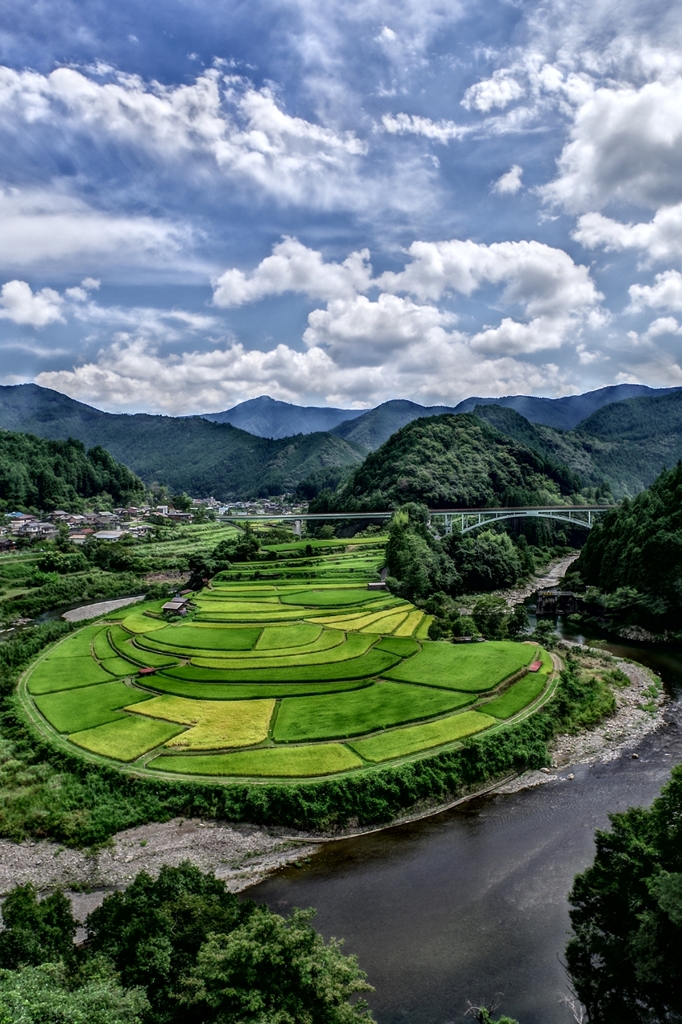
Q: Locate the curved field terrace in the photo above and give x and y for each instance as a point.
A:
(269, 679)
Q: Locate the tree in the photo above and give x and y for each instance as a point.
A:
(491, 615)
(271, 969)
(153, 931)
(46, 995)
(204, 955)
(415, 559)
(181, 502)
(624, 955)
(36, 931)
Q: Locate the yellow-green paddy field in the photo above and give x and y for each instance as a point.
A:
(288, 676)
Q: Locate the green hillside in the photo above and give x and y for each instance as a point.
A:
(41, 474)
(638, 546)
(185, 453)
(449, 461)
(625, 444)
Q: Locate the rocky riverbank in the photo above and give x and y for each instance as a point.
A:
(241, 855)
(641, 709)
(551, 577)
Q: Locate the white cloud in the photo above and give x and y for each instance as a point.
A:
(661, 326)
(80, 292)
(241, 130)
(510, 183)
(294, 267)
(660, 238)
(513, 338)
(626, 146)
(498, 91)
(132, 375)
(543, 280)
(44, 227)
(664, 293)
(412, 124)
(34, 309)
(358, 332)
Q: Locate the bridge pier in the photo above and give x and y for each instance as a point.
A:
(297, 527)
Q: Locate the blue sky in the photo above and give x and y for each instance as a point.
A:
(338, 203)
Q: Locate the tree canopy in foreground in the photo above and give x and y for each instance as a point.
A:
(173, 949)
(624, 955)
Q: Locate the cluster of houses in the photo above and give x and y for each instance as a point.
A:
(109, 526)
(261, 507)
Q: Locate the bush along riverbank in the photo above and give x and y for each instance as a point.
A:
(47, 794)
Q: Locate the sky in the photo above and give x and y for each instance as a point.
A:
(339, 202)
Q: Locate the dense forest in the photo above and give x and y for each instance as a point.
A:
(634, 554)
(624, 955)
(37, 474)
(433, 572)
(170, 950)
(450, 461)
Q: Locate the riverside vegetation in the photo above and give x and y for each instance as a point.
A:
(630, 569)
(624, 954)
(168, 950)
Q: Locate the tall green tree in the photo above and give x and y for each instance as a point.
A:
(624, 955)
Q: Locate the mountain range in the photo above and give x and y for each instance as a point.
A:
(267, 417)
(631, 433)
(187, 453)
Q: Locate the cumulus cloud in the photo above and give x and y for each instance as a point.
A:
(296, 268)
(661, 326)
(543, 280)
(240, 129)
(360, 332)
(660, 238)
(510, 183)
(516, 338)
(132, 374)
(626, 146)
(498, 91)
(34, 309)
(46, 226)
(664, 293)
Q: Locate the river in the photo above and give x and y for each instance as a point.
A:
(471, 905)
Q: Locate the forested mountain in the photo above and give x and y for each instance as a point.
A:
(39, 474)
(186, 453)
(625, 445)
(566, 413)
(375, 426)
(266, 417)
(619, 450)
(639, 546)
(448, 461)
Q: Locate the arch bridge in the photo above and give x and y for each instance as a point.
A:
(464, 520)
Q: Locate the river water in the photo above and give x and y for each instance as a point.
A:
(471, 905)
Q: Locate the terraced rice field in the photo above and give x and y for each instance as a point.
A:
(297, 672)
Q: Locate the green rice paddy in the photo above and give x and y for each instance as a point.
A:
(300, 672)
